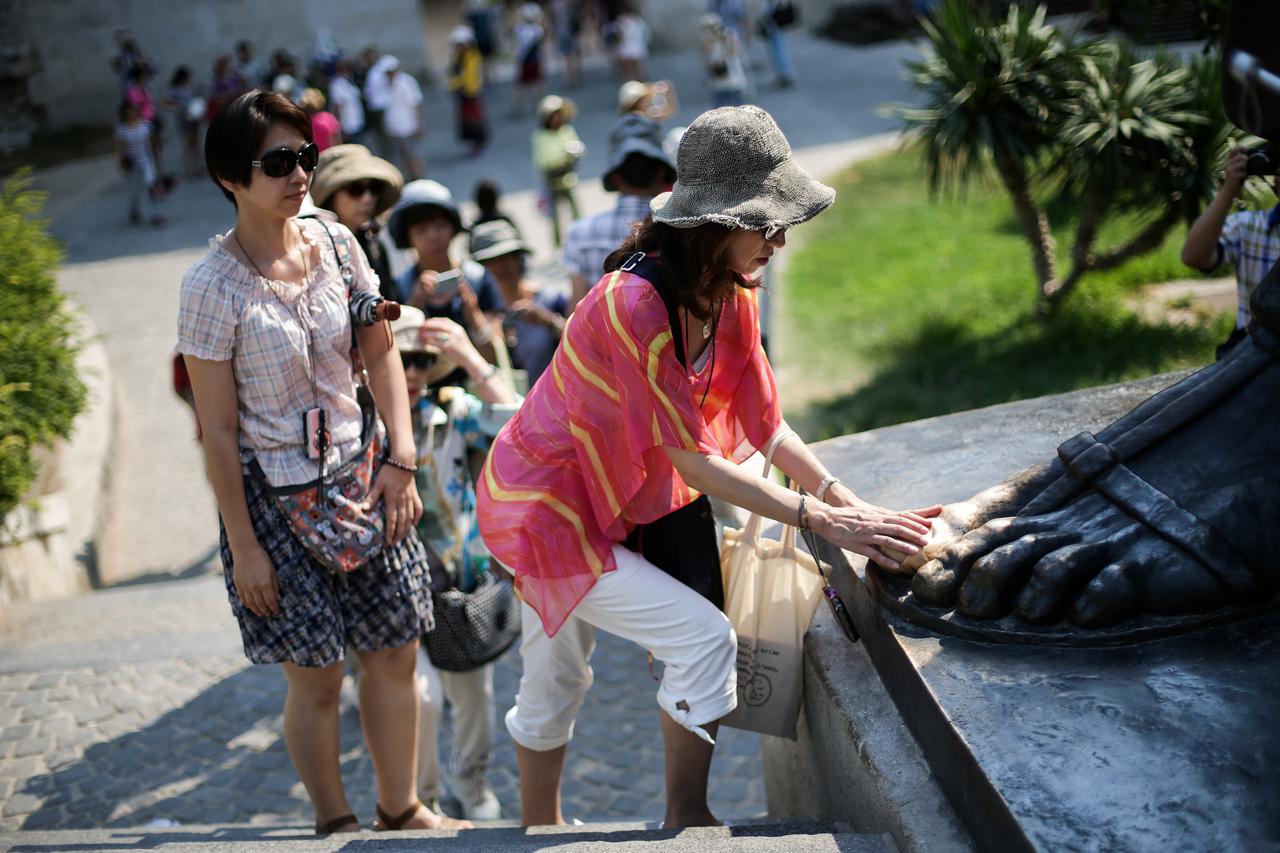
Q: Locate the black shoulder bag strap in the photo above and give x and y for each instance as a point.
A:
(683, 543)
(651, 270)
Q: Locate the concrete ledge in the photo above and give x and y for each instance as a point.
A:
(853, 759)
(49, 544)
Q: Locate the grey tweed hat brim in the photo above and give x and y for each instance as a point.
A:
(734, 168)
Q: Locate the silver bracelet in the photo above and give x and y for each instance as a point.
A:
(827, 482)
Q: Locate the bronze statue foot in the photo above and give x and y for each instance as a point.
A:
(1089, 563)
(1168, 519)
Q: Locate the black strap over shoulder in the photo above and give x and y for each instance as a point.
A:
(651, 270)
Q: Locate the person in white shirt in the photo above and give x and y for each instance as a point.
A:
(528, 36)
(376, 91)
(402, 120)
(344, 99)
(633, 46)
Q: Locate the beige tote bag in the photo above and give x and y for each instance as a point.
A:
(770, 593)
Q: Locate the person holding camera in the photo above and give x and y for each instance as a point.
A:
(426, 219)
(1248, 239)
(534, 319)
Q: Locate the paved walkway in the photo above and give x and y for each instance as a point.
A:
(135, 704)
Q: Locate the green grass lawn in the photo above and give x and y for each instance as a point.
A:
(900, 306)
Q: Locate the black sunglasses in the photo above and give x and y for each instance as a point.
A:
(420, 360)
(357, 189)
(279, 162)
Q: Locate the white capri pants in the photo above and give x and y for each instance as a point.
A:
(641, 603)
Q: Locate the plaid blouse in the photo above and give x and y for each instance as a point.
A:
(1251, 242)
(227, 312)
(592, 239)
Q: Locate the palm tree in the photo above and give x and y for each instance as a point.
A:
(993, 97)
(1091, 120)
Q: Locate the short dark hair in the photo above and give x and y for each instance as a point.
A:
(237, 131)
(487, 193)
(640, 171)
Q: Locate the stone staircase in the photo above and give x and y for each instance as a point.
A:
(493, 837)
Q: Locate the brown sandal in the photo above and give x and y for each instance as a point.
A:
(387, 823)
(331, 826)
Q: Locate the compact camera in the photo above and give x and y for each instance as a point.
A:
(1264, 159)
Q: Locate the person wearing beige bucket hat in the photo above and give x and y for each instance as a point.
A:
(359, 187)
(556, 152)
(590, 493)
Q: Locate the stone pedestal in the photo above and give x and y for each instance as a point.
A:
(1161, 745)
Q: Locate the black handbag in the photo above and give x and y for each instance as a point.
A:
(683, 543)
(473, 628)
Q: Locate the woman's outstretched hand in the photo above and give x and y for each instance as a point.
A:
(883, 535)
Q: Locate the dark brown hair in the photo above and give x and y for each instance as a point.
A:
(697, 260)
(237, 131)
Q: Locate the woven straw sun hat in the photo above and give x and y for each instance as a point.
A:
(411, 337)
(734, 167)
(346, 164)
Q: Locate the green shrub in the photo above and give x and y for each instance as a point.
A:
(40, 393)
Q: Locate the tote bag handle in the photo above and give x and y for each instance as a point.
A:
(751, 531)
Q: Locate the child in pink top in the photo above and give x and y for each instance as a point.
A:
(325, 127)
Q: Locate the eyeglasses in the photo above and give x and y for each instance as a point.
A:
(771, 231)
(358, 189)
(279, 162)
(420, 360)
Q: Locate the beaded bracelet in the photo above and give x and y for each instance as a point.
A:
(403, 466)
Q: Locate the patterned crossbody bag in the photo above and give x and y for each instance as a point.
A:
(327, 514)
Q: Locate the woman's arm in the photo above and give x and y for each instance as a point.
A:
(491, 386)
(217, 409)
(395, 486)
(867, 530)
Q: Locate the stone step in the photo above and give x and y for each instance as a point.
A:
(489, 837)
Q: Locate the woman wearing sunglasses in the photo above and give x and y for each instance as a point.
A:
(660, 388)
(359, 188)
(265, 328)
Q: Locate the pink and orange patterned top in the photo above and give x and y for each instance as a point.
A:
(582, 462)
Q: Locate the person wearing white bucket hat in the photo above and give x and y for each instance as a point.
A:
(661, 387)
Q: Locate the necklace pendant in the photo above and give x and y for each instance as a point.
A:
(706, 331)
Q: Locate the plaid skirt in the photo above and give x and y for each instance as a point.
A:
(384, 604)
